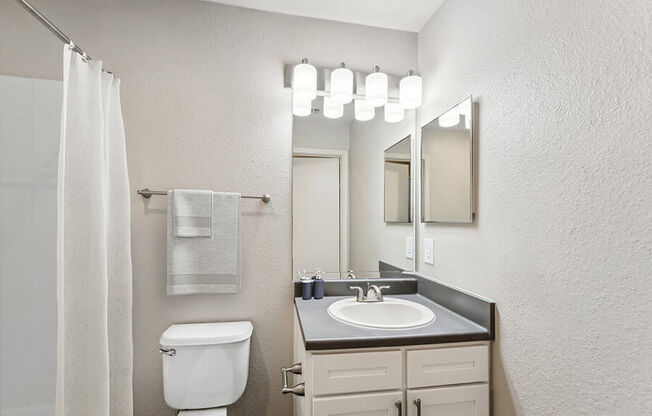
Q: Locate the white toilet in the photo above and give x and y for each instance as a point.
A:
(205, 366)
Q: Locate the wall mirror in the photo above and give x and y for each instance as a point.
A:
(338, 202)
(398, 180)
(447, 166)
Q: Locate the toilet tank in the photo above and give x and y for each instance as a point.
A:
(205, 365)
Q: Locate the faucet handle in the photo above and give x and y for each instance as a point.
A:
(384, 287)
(361, 296)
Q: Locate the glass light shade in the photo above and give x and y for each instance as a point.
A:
(333, 108)
(394, 113)
(301, 106)
(376, 89)
(304, 81)
(364, 110)
(342, 85)
(449, 119)
(410, 92)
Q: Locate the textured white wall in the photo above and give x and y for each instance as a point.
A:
(204, 107)
(562, 240)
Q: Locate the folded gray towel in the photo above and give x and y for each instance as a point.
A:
(207, 265)
(192, 212)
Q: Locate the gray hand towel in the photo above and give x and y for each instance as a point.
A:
(207, 265)
(192, 212)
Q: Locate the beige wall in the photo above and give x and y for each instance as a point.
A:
(446, 172)
(204, 107)
(319, 132)
(562, 239)
(371, 238)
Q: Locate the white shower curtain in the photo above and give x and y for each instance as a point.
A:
(95, 353)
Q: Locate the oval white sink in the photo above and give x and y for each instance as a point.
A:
(391, 313)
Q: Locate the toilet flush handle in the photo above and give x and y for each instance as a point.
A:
(171, 351)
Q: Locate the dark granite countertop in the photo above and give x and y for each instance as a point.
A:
(322, 332)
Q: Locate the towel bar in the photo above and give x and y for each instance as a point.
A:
(146, 193)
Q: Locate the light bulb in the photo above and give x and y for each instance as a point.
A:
(376, 88)
(449, 119)
(342, 84)
(304, 80)
(301, 106)
(364, 110)
(394, 113)
(333, 108)
(410, 91)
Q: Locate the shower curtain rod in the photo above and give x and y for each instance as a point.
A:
(55, 30)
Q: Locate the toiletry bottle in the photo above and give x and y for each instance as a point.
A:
(306, 285)
(306, 288)
(319, 285)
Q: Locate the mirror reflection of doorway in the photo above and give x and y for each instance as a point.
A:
(317, 217)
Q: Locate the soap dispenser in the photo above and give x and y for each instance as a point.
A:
(318, 288)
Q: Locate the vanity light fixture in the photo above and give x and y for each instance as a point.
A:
(301, 106)
(342, 84)
(333, 108)
(376, 87)
(410, 91)
(364, 111)
(394, 113)
(450, 119)
(304, 81)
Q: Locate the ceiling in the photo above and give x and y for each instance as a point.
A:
(409, 15)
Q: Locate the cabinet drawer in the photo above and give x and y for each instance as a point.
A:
(357, 372)
(442, 366)
(370, 404)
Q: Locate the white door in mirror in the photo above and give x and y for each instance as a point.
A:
(391, 313)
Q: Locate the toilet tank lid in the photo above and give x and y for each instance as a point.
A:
(181, 335)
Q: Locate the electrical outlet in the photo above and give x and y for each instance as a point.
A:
(409, 247)
(428, 251)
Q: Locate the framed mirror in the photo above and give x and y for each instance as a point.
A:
(339, 203)
(447, 166)
(398, 180)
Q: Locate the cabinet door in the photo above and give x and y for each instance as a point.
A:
(370, 404)
(470, 400)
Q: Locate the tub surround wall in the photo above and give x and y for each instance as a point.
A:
(561, 239)
(204, 107)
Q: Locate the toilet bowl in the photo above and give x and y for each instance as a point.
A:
(205, 366)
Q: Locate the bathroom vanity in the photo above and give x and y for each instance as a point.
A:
(442, 368)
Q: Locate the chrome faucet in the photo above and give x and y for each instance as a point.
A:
(374, 293)
(350, 275)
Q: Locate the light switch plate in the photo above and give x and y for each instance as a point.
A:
(428, 251)
(409, 247)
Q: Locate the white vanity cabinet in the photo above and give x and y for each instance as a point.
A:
(421, 380)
